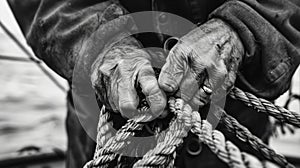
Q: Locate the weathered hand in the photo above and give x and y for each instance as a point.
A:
(203, 63)
(117, 73)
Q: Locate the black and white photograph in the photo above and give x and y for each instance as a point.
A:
(149, 84)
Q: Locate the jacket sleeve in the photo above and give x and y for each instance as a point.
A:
(59, 31)
(270, 31)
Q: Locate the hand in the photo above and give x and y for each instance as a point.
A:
(203, 63)
(117, 73)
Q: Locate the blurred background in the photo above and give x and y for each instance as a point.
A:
(32, 108)
(33, 111)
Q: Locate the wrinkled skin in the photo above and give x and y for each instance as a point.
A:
(209, 55)
(117, 73)
(201, 67)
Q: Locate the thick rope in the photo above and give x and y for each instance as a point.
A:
(262, 105)
(104, 130)
(242, 133)
(164, 153)
(103, 134)
(106, 154)
(225, 150)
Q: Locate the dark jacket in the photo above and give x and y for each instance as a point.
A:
(57, 30)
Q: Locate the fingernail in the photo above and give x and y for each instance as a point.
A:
(207, 90)
(167, 84)
(169, 87)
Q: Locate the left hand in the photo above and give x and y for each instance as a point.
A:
(203, 63)
(119, 70)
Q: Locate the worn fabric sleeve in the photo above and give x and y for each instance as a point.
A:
(270, 32)
(60, 31)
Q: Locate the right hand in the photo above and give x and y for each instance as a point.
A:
(117, 72)
(203, 64)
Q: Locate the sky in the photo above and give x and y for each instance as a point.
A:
(8, 19)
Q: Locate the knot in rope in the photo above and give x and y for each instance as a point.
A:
(185, 120)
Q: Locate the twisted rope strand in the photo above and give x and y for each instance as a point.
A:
(242, 133)
(225, 150)
(109, 151)
(104, 132)
(262, 105)
(163, 155)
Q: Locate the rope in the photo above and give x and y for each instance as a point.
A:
(14, 58)
(225, 150)
(262, 105)
(106, 154)
(163, 155)
(242, 133)
(104, 130)
(164, 152)
(32, 58)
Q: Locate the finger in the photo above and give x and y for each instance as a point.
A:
(172, 72)
(154, 95)
(216, 76)
(128, 99)
(202, 97)
(114, 95)
(229, 80)
(188, 87)
(193, 77)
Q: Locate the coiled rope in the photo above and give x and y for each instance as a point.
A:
(163, 154)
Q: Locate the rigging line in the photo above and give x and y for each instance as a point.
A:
(14, 58)
(33, 59)
(22, 47)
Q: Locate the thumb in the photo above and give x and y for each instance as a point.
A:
(172, 72)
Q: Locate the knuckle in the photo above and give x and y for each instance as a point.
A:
(157, 100)
(146, 77)
(146, 71)
(185, 96)
(124, 103)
